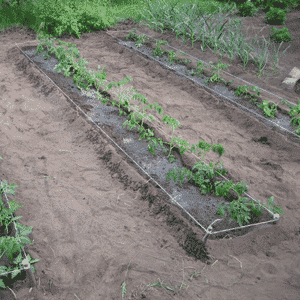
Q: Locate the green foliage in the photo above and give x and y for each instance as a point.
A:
(280, 35)
(295, 119)
(222, 188)
(268, 109)
(5, 213)
(241, 188)
(275, 16)
(219, 148)
(9, 245)
(247, 9)
(72, 17)
(240, 210)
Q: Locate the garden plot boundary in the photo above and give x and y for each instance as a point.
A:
(25, 262)
(204, 86)
(208, 230)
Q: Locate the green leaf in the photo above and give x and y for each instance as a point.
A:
(174, 176)
(10, 245)
(172, 158)
(221, 209)
(15, 273)
(3, 269)
(2, 284)
(25, 240)
(222, 188)
(151, 150)
(241, 187)
(169, 175)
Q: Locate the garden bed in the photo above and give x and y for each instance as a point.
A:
(205, 211)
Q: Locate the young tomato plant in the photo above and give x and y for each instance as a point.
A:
(10, 245)
(202, 145)
(140, 39)
(171, 122)
(268, 111)
(222, 188)
(243, 90)
(183, 145)
(172, 57)
(216, 71)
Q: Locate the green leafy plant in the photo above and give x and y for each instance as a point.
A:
(72, 16)
(275, 16)
(140, 39)
(219, 148)
(247, 9)
(199, 70)
(186, 61)
(240, 210)
(268, 109)
(10, 245)
(222, 188)
(295, 110)
(202, 145)
(171, 122)
(204, 173)
(240, 188)
(172, 57)
(216, 71)
(244, 91)
(158, 52)
(281, 35)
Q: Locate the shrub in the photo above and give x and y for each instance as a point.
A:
(275, 16)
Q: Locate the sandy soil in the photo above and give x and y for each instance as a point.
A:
(97, 222)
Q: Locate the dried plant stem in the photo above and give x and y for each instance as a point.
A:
(13, 293)
(237, 260)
